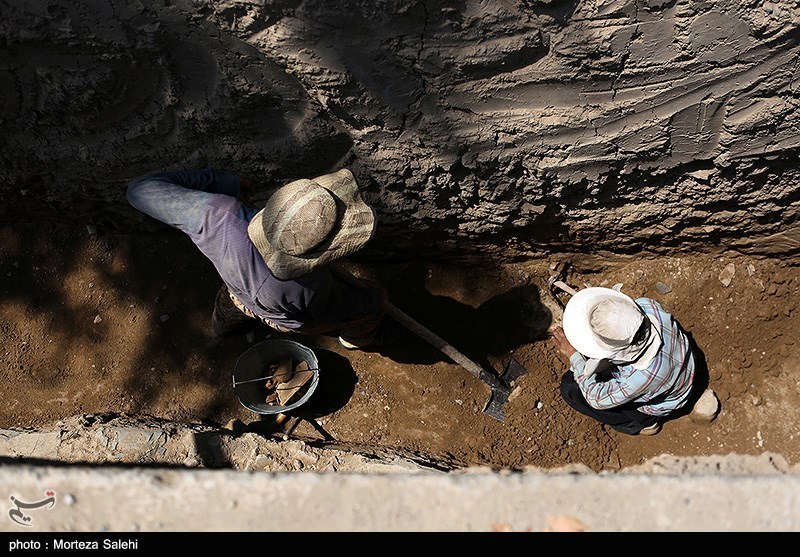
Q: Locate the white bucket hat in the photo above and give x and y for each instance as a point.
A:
(605, 324)
(308, 223)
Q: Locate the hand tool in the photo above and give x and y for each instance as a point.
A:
(501, 386)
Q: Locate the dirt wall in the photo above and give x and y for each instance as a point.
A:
(616, 125)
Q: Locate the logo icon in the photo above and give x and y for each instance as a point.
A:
(17, 515)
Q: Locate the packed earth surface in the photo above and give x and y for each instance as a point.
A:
(96, 322)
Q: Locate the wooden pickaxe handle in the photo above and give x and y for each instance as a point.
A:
(445, 347)
(434, 339)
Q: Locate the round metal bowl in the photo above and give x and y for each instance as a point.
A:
(249, 373)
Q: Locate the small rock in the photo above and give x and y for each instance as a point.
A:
(68, 499)
(663, 288)
(164, 317)
(727, 274)
(706, 408)
(703, 174)
(751, 269)
(91, 230)
(97, 319)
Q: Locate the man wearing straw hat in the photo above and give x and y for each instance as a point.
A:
(631, 364)
(273, 261)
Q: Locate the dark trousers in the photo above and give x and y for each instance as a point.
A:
(625, 418)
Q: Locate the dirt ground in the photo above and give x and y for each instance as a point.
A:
(102, 322)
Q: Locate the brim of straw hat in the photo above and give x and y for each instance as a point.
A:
(355, 227)
(577, 327)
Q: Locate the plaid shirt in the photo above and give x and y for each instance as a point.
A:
(657, 390)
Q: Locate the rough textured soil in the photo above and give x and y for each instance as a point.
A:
(477, 130)
(102, 322)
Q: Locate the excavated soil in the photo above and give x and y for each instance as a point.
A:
(101, 322)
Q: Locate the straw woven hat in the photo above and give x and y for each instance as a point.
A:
(308, 223)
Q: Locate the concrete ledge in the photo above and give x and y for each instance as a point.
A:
(116, 474)
(160, 500)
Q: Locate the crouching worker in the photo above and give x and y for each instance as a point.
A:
(273, 262)
(631, 365)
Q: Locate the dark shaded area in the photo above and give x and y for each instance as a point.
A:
(701, 378)
(4, 460)
(337, 381)
(209, 450)
(510, 61)
(496, 327)
(150, 272)
(559, 10)
(183, 93)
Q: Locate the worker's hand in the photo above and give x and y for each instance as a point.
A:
(561, 343)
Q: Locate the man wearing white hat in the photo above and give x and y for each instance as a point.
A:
(273, 261)
(631, 364)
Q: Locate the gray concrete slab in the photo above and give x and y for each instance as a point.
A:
(167, 500)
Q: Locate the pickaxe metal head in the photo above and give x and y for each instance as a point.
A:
(502, 388)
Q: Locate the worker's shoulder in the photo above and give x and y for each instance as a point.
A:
(649, 305)
(644, 301)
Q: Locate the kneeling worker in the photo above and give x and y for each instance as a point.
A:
(631, 364)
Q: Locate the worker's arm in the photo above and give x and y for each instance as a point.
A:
(182, 198)
(600, 394)
(211, 180)
(603, 394)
